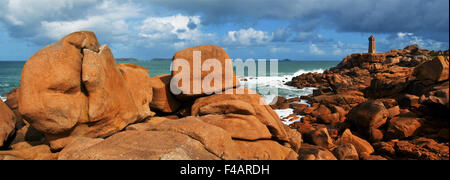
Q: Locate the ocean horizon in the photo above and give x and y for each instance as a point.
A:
(10, 72)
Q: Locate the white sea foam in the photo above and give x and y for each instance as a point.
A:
(3, 98)
(284, 113)
(4, 85)
(266, 82)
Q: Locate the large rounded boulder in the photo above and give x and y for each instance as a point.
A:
(370, 114)
(198, 66)
(51, 95)
(435, 70)
(74, 87)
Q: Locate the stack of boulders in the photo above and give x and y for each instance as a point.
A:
(397, 100)
(75, 102)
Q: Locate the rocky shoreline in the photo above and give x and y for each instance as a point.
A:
(395, 103)
(76, 103)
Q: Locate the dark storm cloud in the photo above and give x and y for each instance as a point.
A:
(23, 19)
(428, 18)
(138, 25)
(281, 35)
(310, 37)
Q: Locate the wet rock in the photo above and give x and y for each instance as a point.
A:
(370, 114)
(279, 103)
(361, 145)
(367, 157)
(346, 152)
(321, 138)
(403, 127)
(394, 111)
(435, 70)
(385, 148)
(408, 100)
(310, 152)
(422, 149)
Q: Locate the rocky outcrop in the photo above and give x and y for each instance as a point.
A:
(311, 152)
(25, 151)
(139, 145)
(346, 152)
(24, 132)
(202, 61)
(7, 123)
(419, 148)
(361, 145)
(140, 86)
(249, 103)
(279, 103)
(163, 100)
(239, 126)
(370, 114)
(12, 102)
(51, 95)
(74, 88)
(435, 70)
(111, 105)
(322, 138)
(96, 109)
(76, 103)
(403, 127)
(382, 97)
(189, 138)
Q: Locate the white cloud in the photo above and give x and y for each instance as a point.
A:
(401, 35)
(182, 30)
(403, 39)
(109, 19)
(281, 34)
(275, 50)
(23, 12)
(313, 49)
(428, 18)
(49, 20)
(247, 37)
(343, 49)
(310, 37)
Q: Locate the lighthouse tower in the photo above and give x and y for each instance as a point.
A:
(372, 45)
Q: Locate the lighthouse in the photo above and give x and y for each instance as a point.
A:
(372, 45)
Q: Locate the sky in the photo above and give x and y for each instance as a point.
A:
(282, 29)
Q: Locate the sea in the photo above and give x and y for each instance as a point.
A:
(10, 72)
